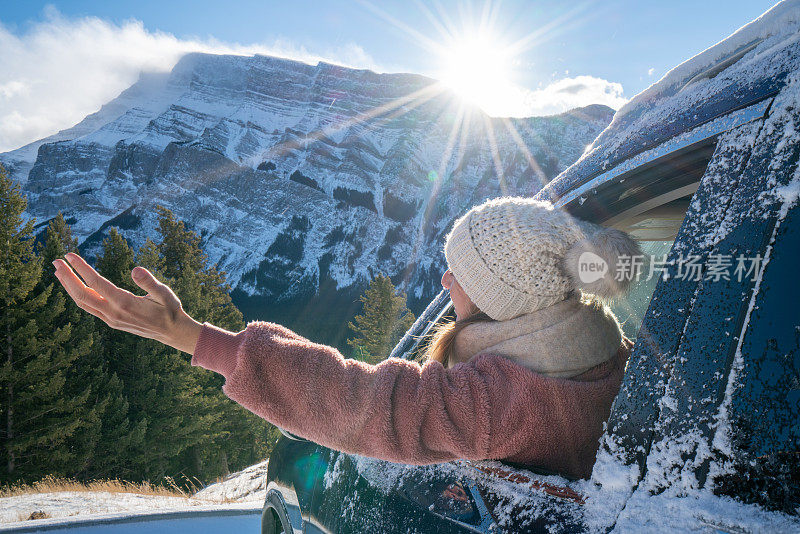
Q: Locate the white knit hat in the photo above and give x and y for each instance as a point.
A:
(516, 255)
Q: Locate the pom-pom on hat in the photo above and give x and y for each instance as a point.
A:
(516, 255)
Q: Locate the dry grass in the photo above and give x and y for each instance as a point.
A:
(51, 484)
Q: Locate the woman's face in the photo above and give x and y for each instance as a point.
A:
(461, 302)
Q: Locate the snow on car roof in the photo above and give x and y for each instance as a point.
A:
(748, 66)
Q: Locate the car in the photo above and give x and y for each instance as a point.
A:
(702, 169)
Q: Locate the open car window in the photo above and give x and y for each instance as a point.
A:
(630, 308)
(655, 230)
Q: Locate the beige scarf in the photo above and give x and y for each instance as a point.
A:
(561, 340)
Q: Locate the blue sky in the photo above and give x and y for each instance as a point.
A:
(623, 45)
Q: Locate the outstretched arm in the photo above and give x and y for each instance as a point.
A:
(396, 410)
(401, 411)
(158, 315)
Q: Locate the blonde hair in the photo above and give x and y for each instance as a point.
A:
(442, 344)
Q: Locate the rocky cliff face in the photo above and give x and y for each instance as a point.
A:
(304, 181)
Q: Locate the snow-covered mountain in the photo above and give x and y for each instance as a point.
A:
(304, 181)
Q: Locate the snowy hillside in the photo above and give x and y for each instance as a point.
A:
(303, 180)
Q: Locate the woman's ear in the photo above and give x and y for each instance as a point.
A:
(447, 279)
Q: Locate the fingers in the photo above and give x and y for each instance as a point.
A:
(93, 311)
(145, 279)
(93, 279)
(80, 293)
(114, 323)
(123, 310)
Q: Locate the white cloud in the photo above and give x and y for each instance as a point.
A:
(63, 69)
(557, 97)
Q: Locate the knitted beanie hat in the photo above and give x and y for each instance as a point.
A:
(516, 255)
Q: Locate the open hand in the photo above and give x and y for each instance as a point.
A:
(157, 315)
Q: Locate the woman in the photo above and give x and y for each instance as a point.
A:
(526, 374)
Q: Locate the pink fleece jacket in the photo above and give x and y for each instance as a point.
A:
(398, 410)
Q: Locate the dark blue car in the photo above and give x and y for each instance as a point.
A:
(704, 435)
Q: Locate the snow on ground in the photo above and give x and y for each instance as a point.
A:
(244, 490)
(87, 504)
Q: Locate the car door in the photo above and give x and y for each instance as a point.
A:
(360, 494)
(711, 401)
(295, 466)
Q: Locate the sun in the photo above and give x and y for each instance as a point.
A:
(474, 52)
(477, 67)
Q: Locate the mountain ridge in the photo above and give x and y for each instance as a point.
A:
(303, 181)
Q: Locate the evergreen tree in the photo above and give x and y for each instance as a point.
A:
(83, 400)
(383, 320)
(86, 375)
(38, 415)
(239, 438)
(150, 258)
(203, 289)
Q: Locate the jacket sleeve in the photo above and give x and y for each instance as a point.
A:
(397, 410)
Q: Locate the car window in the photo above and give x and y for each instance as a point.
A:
(655, 230)
(630, 308)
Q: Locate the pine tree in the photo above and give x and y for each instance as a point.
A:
(203, 289)
(85, 377)
(150, 258)
(38, 416)
(239, 438)
(382, 322)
